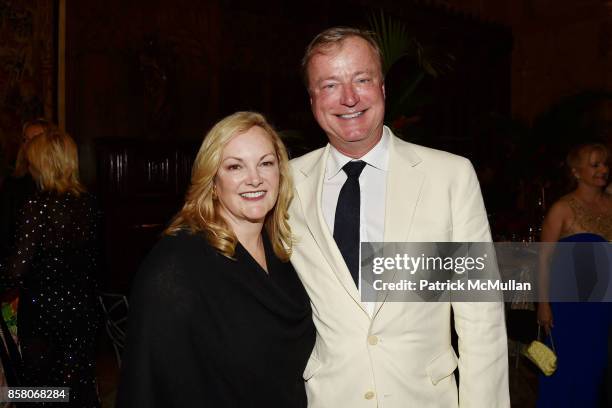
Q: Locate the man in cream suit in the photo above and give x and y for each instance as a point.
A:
(388, 355)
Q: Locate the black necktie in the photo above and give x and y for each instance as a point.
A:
(346, 223)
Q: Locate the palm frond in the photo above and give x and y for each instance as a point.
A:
(393, 38)
(396, 42)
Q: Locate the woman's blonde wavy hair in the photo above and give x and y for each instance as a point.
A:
(53, 162)
(200, 213)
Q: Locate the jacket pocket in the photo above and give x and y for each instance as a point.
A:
(312, 367)
(442, 366)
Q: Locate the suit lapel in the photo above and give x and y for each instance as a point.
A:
(309, 192)
(404, 184)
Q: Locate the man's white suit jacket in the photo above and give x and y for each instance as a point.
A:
(402, 355)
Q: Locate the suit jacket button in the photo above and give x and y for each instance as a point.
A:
(369, 395)
(372, 340)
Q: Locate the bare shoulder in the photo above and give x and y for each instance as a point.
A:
(607, 199)
(558, 219)
(562, 207)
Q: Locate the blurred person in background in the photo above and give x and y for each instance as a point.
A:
(53, 263)
(17, 188)
(579, 330)
(13, 192)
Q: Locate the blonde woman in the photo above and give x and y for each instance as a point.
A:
(218, 316)
(53, 265)
(580, 330)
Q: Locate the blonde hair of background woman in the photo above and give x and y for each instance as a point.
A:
(53, 162)
(581, 154)
(200, 213)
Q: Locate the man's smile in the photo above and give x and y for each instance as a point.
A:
(351, 115)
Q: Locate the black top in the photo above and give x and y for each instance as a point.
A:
(207, 331)
(13, 195)
(54, 265)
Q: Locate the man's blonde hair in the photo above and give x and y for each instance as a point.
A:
(200, 213)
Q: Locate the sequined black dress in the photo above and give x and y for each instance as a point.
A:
(53, 264)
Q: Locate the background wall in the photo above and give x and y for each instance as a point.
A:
(147, 78)
(561, 47)
(158, 70)
(27, 70)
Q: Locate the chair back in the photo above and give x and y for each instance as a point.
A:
(115, 307)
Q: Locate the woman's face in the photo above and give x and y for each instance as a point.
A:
(593, 169)
(247, 181)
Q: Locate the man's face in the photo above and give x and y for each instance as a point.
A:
(31, 132)
(347, 96)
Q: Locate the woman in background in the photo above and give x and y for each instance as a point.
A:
(53, 264)
(579, 330)
(218, 316)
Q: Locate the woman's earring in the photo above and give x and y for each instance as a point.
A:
(214, 192)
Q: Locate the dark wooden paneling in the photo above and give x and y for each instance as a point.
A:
(141, 186)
